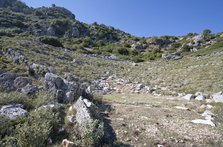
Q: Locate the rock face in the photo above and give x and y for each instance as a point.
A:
(218, 97)
(64, 90)
(6, 81)
(12, 112)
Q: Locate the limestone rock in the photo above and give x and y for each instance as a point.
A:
(30, 89)
(200, 98)
(53, 82)
(84, 110)
(203, 121)
(12, 111)
(218, 97)
(188, 97)
(21, 82)
(6, 81)
(17, 56)
(168, 56)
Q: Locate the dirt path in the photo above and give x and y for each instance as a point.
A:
(142, 120)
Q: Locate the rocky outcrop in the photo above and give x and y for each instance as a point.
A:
(12, 112)
(117, 85)
(7, 81)
(64, 90)
(16, 56)
(84, 111)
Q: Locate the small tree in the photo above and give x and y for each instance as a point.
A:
(206, 32)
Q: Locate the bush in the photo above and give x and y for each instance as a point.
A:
(153, 54)
(93, 133)
(39, 126)
(123, 51)
(51, 41)
(206, 32)
(186, 48)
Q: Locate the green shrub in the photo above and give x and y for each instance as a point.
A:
(123, 51)
(152, 55)
(186, 48)
(51, 41)
(93, 133)
(38, 127)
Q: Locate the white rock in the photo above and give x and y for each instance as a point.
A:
(188, 97)
(208, 115)
(218, 97)
(209, 106)
(181, 107)
(203, 121)
(181, 94)
(200, 98)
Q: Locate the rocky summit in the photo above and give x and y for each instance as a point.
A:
(67, 83)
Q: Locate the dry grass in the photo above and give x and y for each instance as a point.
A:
(143, 120)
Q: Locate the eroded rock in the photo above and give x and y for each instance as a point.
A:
(12, 111)
(218, 97)
(6, 81)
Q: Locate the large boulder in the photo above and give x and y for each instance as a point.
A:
(84, 111)
(12, 112)
(7, 81)
(21, 82)
(54, 82)
(218, 97)
(66, 90)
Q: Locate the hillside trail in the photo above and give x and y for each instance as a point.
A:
(145, 120)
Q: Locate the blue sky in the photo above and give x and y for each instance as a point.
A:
(146, 17)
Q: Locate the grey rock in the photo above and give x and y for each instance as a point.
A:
(1, 71)
(16, 55)
(53, 82)
(71, 78)
(168, 56)
(6, 81)
(188, 97)
(12, 112)
(218, 97)
(70, 96)
(50, 31)
(30, 89)
(60, 96)
(73, 32)
(84, 109)
(21, 82)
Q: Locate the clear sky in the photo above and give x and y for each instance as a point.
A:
(146, 17)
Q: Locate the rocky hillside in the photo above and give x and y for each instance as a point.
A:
(66, 82)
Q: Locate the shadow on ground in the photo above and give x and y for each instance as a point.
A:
(109, 139)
